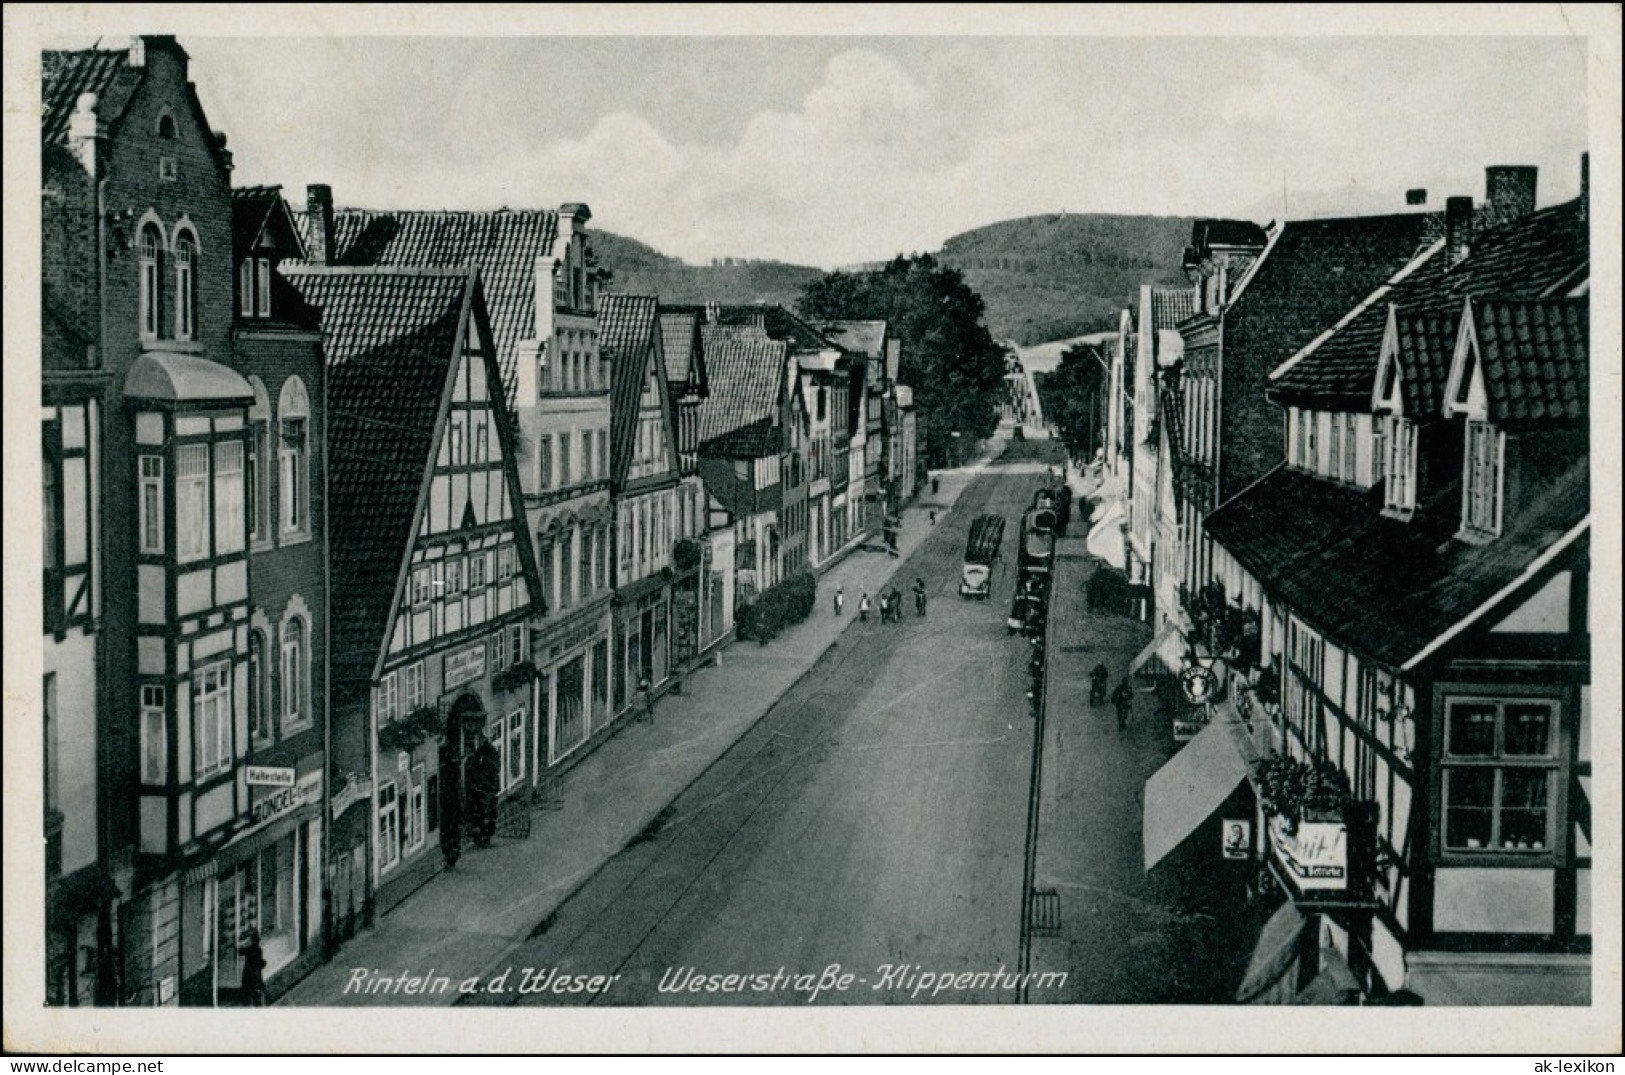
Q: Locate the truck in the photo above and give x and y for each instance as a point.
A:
(981, 550)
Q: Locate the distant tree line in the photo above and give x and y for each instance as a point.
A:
(1070, 395)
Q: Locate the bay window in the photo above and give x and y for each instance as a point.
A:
(229, 525)
(211, 718)
(1500, 775)
(154, 735)
(151, 507)
(191, 502)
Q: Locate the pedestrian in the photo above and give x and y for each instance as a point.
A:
(919, 597)
(484, 788)
(646, 707)
(1123, 699)
(1097, 684)
(863, 607)
(253, 983)
(933, 516)
(840, 600)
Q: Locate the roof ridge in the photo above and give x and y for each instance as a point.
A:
(379, 270)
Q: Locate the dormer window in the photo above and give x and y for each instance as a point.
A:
(254, 287)
(1481, 498)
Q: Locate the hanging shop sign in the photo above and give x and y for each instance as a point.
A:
(1189, 722)
(1314, 854)
(1237, 839)
(1198, 684)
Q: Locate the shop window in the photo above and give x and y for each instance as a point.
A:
(1500, 775)
(191, 502)
(211, 718)
(154, 735)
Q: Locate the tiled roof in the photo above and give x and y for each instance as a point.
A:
(1535, 358)
(866, 338)
(758, 440)
(1171, 305)
(776, 321)
(746, 370)
(1210, 233)
(392, 335)
(504, 244)
(679, 341)
(64, 76)
(250, 208)
(1383, 586)
(1524, 259)
(626, 333)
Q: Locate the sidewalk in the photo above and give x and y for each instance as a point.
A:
(461, 922)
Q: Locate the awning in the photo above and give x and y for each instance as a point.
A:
(1106, 537)
(1152, 648)
(1188, 789)
(1275, 955)
(172, 377)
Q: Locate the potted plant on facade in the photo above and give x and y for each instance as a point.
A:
(514, 676)
(1298, 791)
(685, 555)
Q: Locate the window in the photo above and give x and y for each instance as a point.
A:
(1336, 469)
(432, 810)
(294, 653)
(1401, 476)
(505, 563)
(584, 583)
(152, 503)
(499, 651)
(211, 718)
(262, 288)
(191, 502)
(459, 420)
(185, 287)
(1500, 774)
(454, 576)
(603, 453)
(154, 735)
(1481, 495)
(389, 833)
(1311, 424)
(566, 559)
(293, 409)
(416, 812)
(166, 126)
(259, 687)
(544, 459)
(257, 499)
(151, 247)
(1379, 449)
(245, 287)
(481, 450)
(513, 762)
(415, 687)
(564, 459)
(478, 570)
(422, 585)
(230, 530)
(388, 698)
(586, 455)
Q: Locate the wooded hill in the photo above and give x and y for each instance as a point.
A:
(642, 270)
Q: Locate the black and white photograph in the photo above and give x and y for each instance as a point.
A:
(962, 529)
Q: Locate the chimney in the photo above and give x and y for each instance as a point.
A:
(1458, 227)
(1585, 185)
(713, 313)
(220, 146)
(1416, 196)
(1510, 189)
(573, 217)
(319, 206)
(85, 131)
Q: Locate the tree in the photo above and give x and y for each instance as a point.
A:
(949, 357)
(1070, 395)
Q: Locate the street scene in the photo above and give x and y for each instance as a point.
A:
(453, 599)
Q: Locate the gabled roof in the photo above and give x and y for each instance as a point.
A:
(392, 337)
(1385, 587)
(866, 338)
(680, 342)
(1171, 305)
(627, 329)
(253, 210)
(503, 244)
(1546, 252)
(64, 76)
(747, 373)
(1533, 358)
(758, 440)
(776, 321)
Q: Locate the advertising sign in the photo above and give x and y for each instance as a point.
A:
(464, 666)
(270, 776)
(1237, 838)
(1198, 684)
(1314, 855)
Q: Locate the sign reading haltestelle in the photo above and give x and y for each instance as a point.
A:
(270, 776)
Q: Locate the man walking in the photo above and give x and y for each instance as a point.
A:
(919, 597)
(1097, 684)
(840, 600)
(863, 607)
(1123, 699)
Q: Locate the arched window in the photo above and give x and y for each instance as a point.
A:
(259, 687)
(185, 286)
(293, 419)
(151, 246)
(295, 704)
(258, 499)
(166, 125)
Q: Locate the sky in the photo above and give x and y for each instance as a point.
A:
(835, 150)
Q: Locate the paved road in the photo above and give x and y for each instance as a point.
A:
(874, 819)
